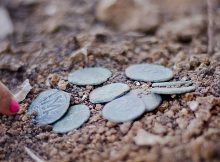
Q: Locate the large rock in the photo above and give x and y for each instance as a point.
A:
(127, 15)
(183, 29)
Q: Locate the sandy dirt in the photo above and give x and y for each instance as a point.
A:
(50, 40)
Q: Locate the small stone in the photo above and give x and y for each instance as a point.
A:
(159, 128)
(149, 72)
(98, 106)
(80, 94)
(124, 128)
(89, 87)
(24, 118)
(54, 79)
(23, 91)
(184, 112)
(193, 105)
(108, 92)
(183, 29)
(50, 106)
(62, 85)
(123, 109)
(151, 100)
(110, 124)
(173, 90)
(145, 138)
(89, 76)
(127, 15)
(76, 116)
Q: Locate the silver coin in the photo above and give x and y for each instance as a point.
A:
(50, 106)
(173, 90)
(123, 109)
(108, 92)
(89, 76)
(149, 72)
(174, 83)
(76, 116)
(151, 100)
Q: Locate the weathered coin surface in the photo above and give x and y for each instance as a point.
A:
(174, 83)
(173, 90)
(89, 76)
(76, 116)
(151, 100)
(123, 109)
(108, 92)
(149, 72)
(50, 106)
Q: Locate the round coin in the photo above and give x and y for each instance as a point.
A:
(76, 116)
(50, 106)
(151, 100)
(123, 109)
(149, 72)
(108, 92)
(89, 76)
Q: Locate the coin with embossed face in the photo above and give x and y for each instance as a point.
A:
(50, 106)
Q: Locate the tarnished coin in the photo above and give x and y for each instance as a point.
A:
(108, 92)
(123, 109)
(174, 83)
(149, 72)
(89, 76)
(50, 106)
(151, 100)
(76, 116)
(174, 90)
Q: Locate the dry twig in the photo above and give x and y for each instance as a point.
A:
(32, 155)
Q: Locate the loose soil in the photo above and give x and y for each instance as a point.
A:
(45, 41)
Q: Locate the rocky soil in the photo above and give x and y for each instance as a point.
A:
(52, 38)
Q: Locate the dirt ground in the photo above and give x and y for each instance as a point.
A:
(50, 40)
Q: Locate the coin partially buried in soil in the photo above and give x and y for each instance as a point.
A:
(108, 92)
(89, 76)
(151, 100)
(149, 72)
(50, 106)
(123, 109)
(76, 116)
(172, 90)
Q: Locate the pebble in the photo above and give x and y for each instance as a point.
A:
(149, 72)
(76, 116)
(151, 100)
(123, 109)
(89, 76)
(50, 106)
(23, 91)
(124, 128)
(62, 85)
(193, 105)
(108, 92)
(173, 90)
(144, 138)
